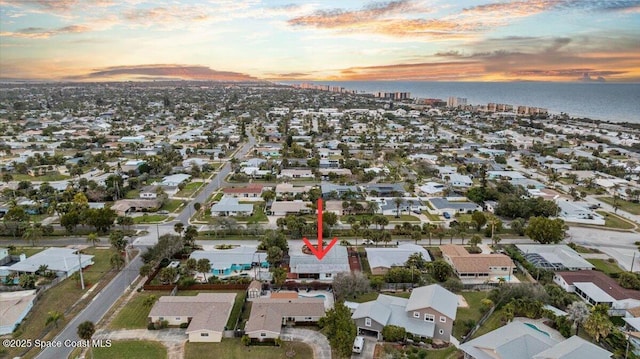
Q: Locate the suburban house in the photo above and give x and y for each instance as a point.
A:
(62, 261)
(575, 213)
(149, 192)
(458, 180)
(230, 206)
(429, 312)
(518, 340)
(205, 313)
(253, 190)
(14, 306)
(308, 266)
(175, 180)
(254, 290)
(286, 189)
(478, 268)
(268, 315)
(555, 257)
(595, 288)
(296, 173)
(282, 208)
(441, 205)
(225, 262)
(125, 206)
(382, 259)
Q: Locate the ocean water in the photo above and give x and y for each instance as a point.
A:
(615, 102)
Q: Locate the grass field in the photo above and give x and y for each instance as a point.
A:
(189, 190)
(124, 349)
(134, 315)
(237, 310)
(494, 322)
(151, 218)
(470, 313)
(60, 298)
(132, 194)
(28, 251)
(234, 349)
(171, 205)
(257, 216)
(614, 221)
(623, 205)
(605, 266)
(46, 178)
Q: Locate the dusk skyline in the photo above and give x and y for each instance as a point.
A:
(109, 40)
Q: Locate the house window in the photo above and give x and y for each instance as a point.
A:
(263, 334)
(177, 318)
(204, 334)
(441, 331)
(443, 319)
(161, 318)
(416, 315)
(367, 322)
(429, 318)
(328, 275)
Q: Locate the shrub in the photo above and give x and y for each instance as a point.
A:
(393, 333)
(151, 326)
(184, 325)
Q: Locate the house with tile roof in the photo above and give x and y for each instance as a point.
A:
(477, 268)
(429, 312)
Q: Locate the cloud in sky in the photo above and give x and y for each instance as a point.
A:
(164, 71)
(41, 33)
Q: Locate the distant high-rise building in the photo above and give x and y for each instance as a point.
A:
(456, 101)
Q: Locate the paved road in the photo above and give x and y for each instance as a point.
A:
(154, 231)
(95, 310)
(618, 245)
(317, 341)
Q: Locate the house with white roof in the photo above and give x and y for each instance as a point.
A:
(62, 261)
(429, 312)
(308, 266)
(175, 180)
(554, 257)
(518, 340)
(230, 206)
(577, 213)
(382, 259)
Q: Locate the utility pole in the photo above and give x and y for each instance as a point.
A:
(80, 269)
(633, 261)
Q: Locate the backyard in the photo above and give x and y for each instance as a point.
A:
(468, 314)
(234, 349)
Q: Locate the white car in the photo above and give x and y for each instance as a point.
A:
(358, 344)
(368, 242)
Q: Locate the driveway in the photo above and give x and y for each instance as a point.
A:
(368, 350)
(173, 339)
(317, 341)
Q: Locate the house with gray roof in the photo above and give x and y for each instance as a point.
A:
(382, 259)
(230, 206)
(517, 340)
(441, 205)
(554, 257)
(429, 312)
(308, 266)
(62, 261)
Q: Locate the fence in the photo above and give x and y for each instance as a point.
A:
(478, 325)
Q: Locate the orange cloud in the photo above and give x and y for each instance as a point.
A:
(164, 71)
(41, 33)
(163, 16)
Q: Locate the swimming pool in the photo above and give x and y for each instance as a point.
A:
(532, 326)
(300, 295)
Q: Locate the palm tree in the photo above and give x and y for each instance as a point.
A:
(578, 312)
(178, 228)
(116, 260)
(416, 236)
(598, 325)
(93, 238)
(53, 317)
(398, 202)
(383, 221)
(33, 234)
(85, 332)
(373, 207)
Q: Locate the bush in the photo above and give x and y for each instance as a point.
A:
(151, 326)
(184, 325)
(393, 333)
(187, 281)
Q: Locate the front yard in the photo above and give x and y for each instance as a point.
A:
(234, 349)
(124, 349)
(190, 189)
(149, 218)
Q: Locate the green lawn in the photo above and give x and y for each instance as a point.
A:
(171, 205)
(190, 189)
(391, 218)
(623, 205)
(234, 349)
(494, 322)
(132, 194)
(257, 216)
(152, 218)
(134, 315)
(124, 349)
(614, 221)
(415, 352)
(46, 178)
(61, 298)
(373, 295)
(432, 217)
(237, 310)
(28, 251)
(470, 313)
(217, 197)
(605, 266)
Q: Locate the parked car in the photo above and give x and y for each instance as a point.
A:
(446, 215)
(368, 242)
(358, 344)
(163, 212)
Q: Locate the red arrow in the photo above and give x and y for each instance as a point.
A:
(319, 251)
